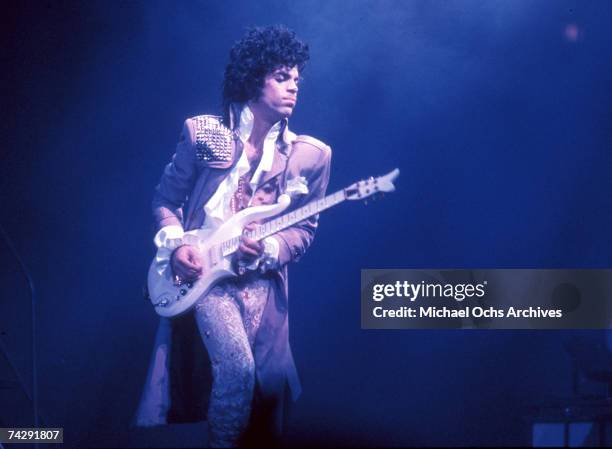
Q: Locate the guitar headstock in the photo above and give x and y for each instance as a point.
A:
(366, 188)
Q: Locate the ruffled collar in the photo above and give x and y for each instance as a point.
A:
(245, 127)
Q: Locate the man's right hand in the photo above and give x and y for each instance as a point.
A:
(186, 263)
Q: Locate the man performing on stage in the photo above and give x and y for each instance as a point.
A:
(228, 359)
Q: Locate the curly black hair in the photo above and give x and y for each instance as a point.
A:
(261, 51)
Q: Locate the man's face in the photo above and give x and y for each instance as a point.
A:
(278, 95)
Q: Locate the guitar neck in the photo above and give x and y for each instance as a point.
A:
(284, 221)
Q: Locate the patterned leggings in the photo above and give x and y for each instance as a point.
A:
(228, 319)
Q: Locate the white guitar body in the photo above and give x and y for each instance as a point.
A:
(170, 299)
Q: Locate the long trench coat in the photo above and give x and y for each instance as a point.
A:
(179, 378)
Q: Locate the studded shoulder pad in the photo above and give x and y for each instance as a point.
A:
(213, 140)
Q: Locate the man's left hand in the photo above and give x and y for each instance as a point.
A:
(249, 249)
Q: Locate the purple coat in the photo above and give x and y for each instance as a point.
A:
(179, 378)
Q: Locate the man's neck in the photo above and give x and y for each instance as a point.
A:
(260, 130)
(262, 124)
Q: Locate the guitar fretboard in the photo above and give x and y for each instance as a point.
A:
(284, 221)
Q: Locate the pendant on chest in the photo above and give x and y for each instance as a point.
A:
(244, 197)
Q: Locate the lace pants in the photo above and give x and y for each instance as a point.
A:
(228, 319)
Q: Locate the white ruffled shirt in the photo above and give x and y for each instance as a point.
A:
(218, 208)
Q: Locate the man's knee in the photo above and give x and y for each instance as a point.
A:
(237, 368)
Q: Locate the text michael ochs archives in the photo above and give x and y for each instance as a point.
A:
(423, 301)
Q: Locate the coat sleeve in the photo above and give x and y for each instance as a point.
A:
(176, 182)
(295, 240)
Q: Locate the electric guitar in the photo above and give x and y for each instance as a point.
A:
(216, 247)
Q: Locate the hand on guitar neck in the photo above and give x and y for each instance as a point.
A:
(187, 265)
(249, 249)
